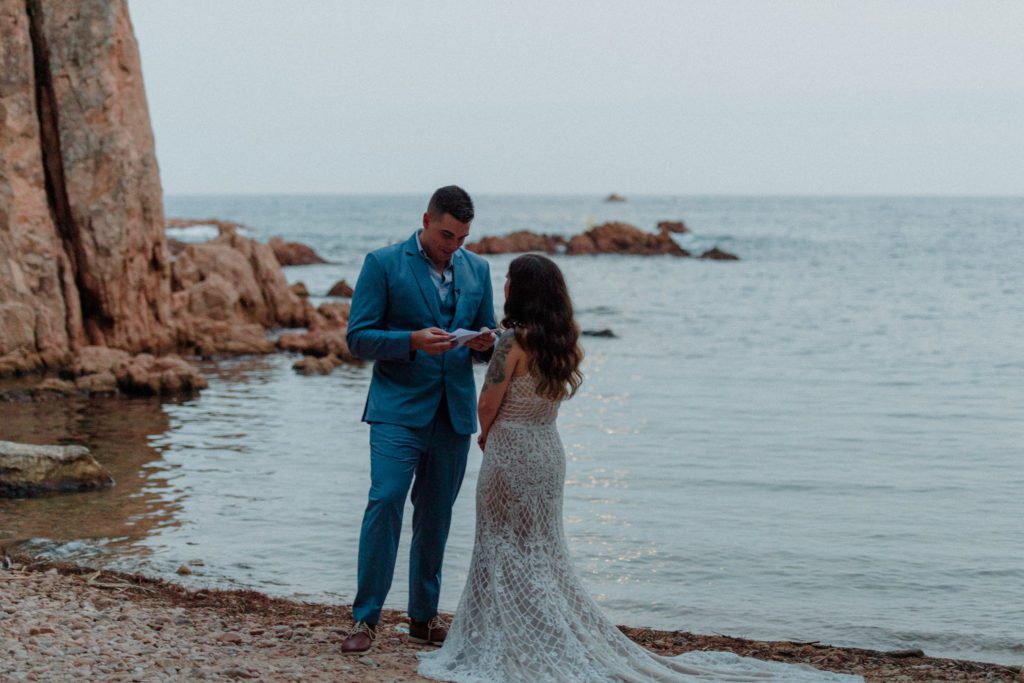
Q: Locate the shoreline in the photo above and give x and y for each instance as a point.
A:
(64, 621)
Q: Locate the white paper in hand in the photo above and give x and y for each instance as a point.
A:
(462, 335)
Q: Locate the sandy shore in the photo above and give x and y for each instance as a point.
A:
(61, 622)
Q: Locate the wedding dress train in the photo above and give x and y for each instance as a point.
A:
(524, 616)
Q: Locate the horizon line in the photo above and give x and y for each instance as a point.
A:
(770, 195)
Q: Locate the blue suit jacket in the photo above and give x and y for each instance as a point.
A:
(394, 296)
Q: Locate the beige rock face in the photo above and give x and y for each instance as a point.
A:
(227, 291)
(27, 470)
(39, 320)
(111, 212)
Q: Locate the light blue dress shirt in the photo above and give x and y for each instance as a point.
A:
(443, 280)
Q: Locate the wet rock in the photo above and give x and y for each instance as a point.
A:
(293, 253)
(97, 383)
(517, 242)
(300, 290)
(717, 254)
(342, 289)
(677, 227)
(140, 374)
(606, 332)
(623, 238)
(311, 365)
(615, 198)
(54, 385)
(29, 469)
(183, 570)
(323, 343)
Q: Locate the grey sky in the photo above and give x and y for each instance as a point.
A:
(674, 97)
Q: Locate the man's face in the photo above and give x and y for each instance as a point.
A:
(442, 237)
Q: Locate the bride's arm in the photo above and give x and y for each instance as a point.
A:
(507, 355)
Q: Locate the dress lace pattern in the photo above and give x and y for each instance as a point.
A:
(524, 616)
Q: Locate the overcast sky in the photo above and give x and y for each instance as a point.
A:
(642, 97)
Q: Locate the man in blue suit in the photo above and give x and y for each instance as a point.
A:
(421, 406)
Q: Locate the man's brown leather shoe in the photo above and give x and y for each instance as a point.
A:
(359, 640)
(431, 632)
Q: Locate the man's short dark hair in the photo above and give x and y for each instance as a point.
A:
(454, 200)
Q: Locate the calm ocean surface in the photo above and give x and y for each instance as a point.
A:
(823, 441)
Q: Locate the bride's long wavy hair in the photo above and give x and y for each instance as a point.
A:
(538, 307)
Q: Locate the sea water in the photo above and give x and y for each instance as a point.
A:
(821, 441)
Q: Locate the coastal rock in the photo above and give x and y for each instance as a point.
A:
(97, 383)
(28, 469)
(144, 373)
(677, 227)
(717, 254)
(311, 365)
(294, 253)
(166, 375)
(82, 252)
(227, 291)
(300, 290)
(207, 337)
(341, 288)
(39, 310)
(623, 238)
(100, 162)
(605, 332)
(323, 343)
(520, 241)
(615, 198)
(609, 238)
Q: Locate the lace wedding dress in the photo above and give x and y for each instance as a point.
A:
(524, 617)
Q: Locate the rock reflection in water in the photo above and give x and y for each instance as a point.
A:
(118, 432)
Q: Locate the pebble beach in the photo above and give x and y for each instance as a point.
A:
(66, 622)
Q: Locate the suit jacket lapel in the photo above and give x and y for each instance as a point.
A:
(420, 271)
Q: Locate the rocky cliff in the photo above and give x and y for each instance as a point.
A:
(84, 262)
(83, 258)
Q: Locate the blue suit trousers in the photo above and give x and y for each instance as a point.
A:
(432, 460)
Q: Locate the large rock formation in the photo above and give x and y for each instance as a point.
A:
(84, 262)
(40, 319)
(82, 252)
(27, 470)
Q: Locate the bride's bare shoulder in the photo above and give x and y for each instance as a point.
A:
(519, 358)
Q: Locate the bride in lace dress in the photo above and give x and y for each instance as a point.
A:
(524, 616)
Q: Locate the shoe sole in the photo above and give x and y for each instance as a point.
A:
(356, 652)
(424, 641)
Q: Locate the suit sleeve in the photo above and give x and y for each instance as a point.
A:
(485, 315)
(368, 337)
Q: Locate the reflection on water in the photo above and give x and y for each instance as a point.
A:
(119, 432)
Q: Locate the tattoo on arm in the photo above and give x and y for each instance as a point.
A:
(496, 369)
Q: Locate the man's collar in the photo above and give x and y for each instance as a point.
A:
(424, 254)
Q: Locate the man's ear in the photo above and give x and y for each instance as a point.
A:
(426, 220)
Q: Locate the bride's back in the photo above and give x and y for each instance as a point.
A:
(523, 405)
